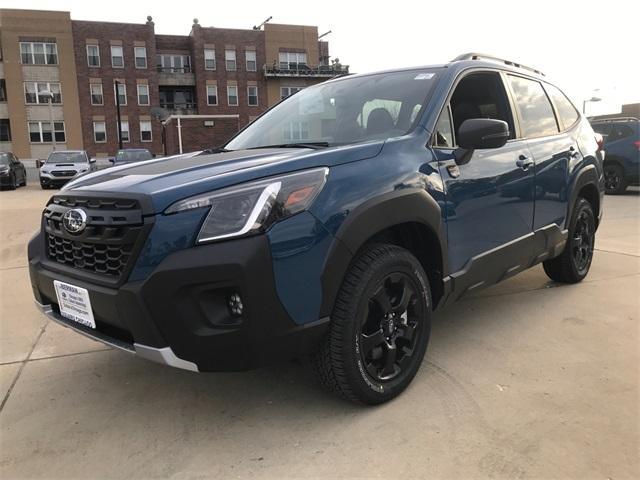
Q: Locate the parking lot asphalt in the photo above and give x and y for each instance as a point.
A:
(527, 379)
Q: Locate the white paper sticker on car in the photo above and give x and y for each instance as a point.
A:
(74, 303)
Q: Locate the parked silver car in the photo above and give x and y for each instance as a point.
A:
(62, 166)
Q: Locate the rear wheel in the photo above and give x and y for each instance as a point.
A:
(379, 327)
(614, 179)
(574, 262)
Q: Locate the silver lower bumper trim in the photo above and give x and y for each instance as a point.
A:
(164, 355)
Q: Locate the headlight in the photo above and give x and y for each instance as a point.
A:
(252, 207)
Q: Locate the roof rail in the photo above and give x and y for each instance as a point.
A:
(613, 119)
(482, 56)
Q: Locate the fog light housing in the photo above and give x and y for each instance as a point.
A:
(235, 305)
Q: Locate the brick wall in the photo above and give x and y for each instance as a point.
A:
(196, 135)
(127, 35)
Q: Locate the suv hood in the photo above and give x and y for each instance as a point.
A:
(167, 180)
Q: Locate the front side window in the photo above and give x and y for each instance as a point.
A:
(121, 93)
(536, 114)
(140, 56)
(252, 96)
(93, 55)
(117, 56)
(251, 60)
(96, 94)
(212, 95)
(232, 95)
(143, 94)
(333, 113)
(99, 132)
(42, 92)
(209, 59)
(565, 109)
(145, 131)
(124, 125)
(230, 59)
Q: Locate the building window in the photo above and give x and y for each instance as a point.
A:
(96, 94)
(99, 132)
(3, 90)
(124, 125)
(37, 53)
(232, 95)
(252, 96)
(292, 60)
(230, 60)
(143, 94)
(286, 91)
(5, 130)
(117, 56)
(209, 59)
(140, 54)
(173, 63)
(40, 132)
(38, 92)
(212, 95)
(122, 93)
(145, 130)
(296, 131)
(93, 55)
(251, 60)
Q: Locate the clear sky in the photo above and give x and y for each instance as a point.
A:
(588, 48)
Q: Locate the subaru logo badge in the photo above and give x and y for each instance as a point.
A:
(74, 220)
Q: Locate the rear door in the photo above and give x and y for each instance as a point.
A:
(554, 148)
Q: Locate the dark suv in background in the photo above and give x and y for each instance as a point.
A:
(131, 155)
(332, 225)
(621, 138)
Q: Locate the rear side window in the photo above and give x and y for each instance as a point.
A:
(565, 109)
(620, 131)
(536, 114)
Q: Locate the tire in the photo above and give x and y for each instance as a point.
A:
(379, 327)
(24, 181)
(615, 182)
(572, 266)
(13, 184)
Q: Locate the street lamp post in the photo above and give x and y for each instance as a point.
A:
(49, 95)
(584, 103)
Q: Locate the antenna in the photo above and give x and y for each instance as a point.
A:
(324, 34)
(258, 27)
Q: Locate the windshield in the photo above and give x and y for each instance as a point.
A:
(4, 159)
(67, 157)
(349, 110)
(133, 155)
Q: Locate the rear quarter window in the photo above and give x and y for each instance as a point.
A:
(565, 109)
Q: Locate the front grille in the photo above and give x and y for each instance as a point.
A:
(106, 246)
(63, 173)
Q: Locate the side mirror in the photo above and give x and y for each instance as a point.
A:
(112, 160)
(38, 163)
(92, 160)
(480, 134)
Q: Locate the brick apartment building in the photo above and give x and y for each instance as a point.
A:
(192, 90)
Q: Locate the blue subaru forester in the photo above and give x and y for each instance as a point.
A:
(333, 225)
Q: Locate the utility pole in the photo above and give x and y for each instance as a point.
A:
(117, 87)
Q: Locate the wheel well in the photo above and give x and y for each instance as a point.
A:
(423, 243)
(590, 193)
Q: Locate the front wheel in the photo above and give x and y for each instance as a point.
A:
(574, 262)
(614, 179)
(13, 184)
(379, 327)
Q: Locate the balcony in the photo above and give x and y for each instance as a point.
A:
(176, 76)
(180, 108)
(300, 70)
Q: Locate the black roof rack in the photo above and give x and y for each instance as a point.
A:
(613, 119)
(482, 56)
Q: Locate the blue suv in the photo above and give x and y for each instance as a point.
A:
(333, 225)
(621, 137)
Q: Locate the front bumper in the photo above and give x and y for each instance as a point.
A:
(179, 315)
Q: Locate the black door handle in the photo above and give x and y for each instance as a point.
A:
(524, 162)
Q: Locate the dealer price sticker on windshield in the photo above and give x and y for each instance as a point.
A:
(74, 303)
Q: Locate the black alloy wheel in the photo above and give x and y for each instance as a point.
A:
(614, 181)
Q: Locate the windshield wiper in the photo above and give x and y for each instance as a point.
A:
(312, 145)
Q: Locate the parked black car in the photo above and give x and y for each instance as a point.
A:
(12, 171)
(130, 155)
(621, 138)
